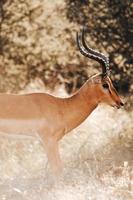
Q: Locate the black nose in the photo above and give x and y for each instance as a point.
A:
(121, 104)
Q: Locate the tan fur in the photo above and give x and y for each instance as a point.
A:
(53, 117)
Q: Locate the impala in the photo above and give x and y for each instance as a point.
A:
(52, 117)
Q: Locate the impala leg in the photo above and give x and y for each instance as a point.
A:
(52, 151)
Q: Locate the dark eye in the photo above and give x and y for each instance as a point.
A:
(106, 86)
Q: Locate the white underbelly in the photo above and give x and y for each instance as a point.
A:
(21, 126)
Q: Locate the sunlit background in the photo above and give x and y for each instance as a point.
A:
(38, 52)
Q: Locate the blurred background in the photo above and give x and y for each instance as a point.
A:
(38, 41)
(38, 52)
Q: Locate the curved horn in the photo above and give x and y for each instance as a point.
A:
(82, 49)
(90, 53)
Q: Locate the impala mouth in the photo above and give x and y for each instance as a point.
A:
(118, 105)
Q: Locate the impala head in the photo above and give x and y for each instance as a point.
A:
(102, 84)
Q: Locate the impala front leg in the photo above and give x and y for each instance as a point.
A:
(52, 151)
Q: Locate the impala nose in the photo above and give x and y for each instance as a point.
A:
(121, 104)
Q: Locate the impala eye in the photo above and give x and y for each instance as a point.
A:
(106, 86)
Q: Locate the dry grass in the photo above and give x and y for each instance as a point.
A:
(97, 157)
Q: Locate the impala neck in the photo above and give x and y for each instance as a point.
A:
(79, 106)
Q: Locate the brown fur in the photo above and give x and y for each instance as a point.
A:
(53, 117)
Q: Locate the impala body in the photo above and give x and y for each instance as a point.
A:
(52, 117)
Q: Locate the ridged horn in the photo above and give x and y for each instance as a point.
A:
(91, 53)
